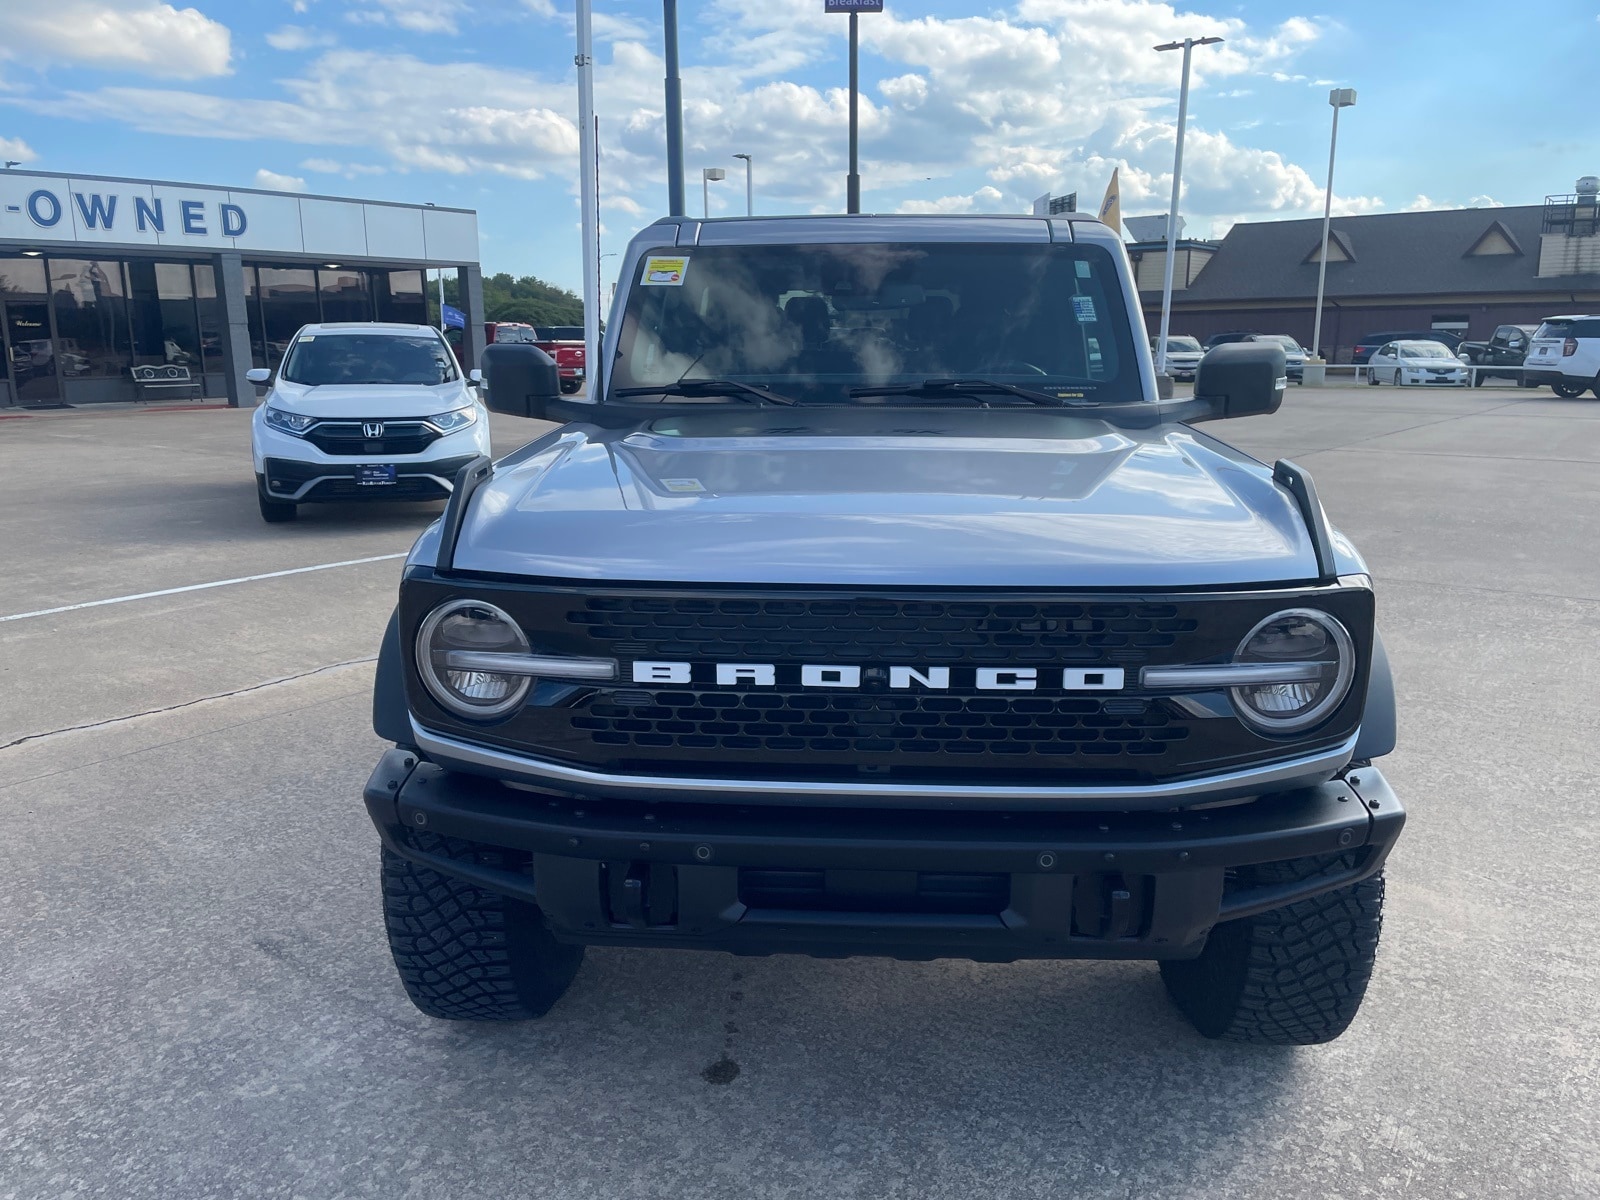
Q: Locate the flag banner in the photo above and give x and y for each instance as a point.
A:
(1111, 206)
(454, 318)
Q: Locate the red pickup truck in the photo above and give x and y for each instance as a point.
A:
(564, 343)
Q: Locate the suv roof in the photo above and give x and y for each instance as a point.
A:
(876, 227)
(394, 327)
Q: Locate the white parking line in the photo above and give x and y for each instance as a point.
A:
(200, 587)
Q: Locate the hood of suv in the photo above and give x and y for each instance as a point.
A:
(389, 401)
(884, 497)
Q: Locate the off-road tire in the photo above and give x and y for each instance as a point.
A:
(464, 953)
(1293, 976)
(275, 512)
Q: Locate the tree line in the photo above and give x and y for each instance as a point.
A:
(526, 298)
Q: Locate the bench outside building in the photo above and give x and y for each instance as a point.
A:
(153, 383)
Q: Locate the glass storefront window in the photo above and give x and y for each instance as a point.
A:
(400, 297)
(161, 301)
(209, 311)
(91, 305)
(22, 279)
(344, 295)
(288, 299)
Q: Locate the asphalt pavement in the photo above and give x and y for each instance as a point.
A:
(197, 1000)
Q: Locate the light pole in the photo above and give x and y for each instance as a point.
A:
(707, 177)
(674, 115)
(1338, 98)
(749, 184)
(589, 193)
(1187, 46)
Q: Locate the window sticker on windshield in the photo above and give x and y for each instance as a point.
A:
(683, 485)
(1083, 268)
(1083, 309)
(665, 272)
(308, 337)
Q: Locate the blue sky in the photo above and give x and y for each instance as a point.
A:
(967, 107)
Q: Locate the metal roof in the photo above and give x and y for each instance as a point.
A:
(1393, 254)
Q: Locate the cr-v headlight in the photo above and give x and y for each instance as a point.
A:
(449, 637)
(1302, 637)
(289, 422)
(456, 419)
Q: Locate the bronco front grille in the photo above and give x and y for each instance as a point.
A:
(874, 726)
(1056, 733)
(866, 629)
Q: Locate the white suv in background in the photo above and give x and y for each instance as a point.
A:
(364, 411)
(1565, 353)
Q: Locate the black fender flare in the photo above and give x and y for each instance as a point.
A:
(1377, 735)
(391, 715)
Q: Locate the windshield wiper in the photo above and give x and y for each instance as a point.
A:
(965, 387)
(708, 387)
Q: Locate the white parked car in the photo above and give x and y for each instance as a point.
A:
(1183, 355)
(1417, 364)
(1294, 354)
(1565, 353)
(363, 411)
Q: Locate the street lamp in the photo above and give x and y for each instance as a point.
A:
(749, 184)
(707, 177)
(1338, 98)
(1187, 46)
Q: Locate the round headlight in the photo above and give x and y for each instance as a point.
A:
(1302, 637)
(470, 626)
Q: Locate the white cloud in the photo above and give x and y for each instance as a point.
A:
(419, 16)
(978, 113)
(298, 37)
(279, 183)
(1426, 204)
(135, 35)
(16, 148)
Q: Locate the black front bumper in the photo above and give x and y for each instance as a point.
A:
(986, 886)
(423, 480)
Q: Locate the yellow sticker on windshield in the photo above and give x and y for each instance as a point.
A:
(665, 272)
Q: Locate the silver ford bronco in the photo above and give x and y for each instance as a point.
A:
(873, 604)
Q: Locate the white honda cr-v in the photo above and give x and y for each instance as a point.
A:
(362, 411)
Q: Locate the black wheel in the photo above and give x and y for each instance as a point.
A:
(275, 512)
(1372, 377)
(1569, 391)
(1293, 976)
(464, 953)
(569, 387)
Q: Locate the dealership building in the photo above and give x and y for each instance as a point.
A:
(101, 276)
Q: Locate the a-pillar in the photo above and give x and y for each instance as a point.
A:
(228, 269)
(469, 290)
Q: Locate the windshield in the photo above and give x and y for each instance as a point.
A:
(1180, 345)
(1424, 350)
(1283, 339)
(321, 359)
(814, 322)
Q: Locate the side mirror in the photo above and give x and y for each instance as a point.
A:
(474, 376)
(520, 380)
(1240, 379)
(258, 375)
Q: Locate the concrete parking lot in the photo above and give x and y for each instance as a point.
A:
(199, 1002)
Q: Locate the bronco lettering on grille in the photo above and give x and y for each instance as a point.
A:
(895, 678)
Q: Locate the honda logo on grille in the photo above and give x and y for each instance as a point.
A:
(372, 429)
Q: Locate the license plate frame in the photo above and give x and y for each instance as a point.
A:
(376, 475)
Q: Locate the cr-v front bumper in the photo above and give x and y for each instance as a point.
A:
(984, 885)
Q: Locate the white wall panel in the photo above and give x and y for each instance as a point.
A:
(452, 236)
(332, 227)
(394, 232)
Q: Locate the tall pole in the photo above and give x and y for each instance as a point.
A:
(589, 197)
(441, 287)
(1339, 98)
(705, 195)
(1172, 214)
(853, 182)
(749, 184)
(669, 21)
